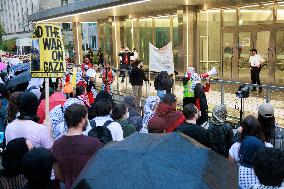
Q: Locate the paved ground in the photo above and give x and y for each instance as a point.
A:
(214, 98)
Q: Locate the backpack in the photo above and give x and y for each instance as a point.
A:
(101, 132)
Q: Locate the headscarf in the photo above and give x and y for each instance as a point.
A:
(249, 146)
(37, 167)
(151, 101)
(219, 114)
(13, 155)
(57, 117)
(195, 78)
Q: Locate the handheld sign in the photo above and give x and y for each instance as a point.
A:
(47, 52)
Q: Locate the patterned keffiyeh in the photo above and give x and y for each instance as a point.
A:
(261, 186)
(151, 101)
(57, 117)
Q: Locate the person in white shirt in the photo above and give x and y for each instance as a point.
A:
(255, 61)
(102, 112)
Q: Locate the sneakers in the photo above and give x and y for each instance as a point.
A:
(260, 91)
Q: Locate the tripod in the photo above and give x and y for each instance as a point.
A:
(242, 109)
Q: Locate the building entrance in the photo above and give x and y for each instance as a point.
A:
(236, 44)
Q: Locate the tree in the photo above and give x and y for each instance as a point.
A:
(2, 32)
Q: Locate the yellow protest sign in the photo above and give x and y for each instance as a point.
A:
(47, 52)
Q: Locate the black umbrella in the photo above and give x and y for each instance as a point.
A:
(157, 161)
(19, 79)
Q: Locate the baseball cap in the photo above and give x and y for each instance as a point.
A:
(266, 110)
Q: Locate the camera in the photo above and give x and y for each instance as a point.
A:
(243, 91)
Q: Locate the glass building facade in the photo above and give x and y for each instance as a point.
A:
(218, 37)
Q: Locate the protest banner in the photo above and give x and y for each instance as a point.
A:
(161, 59)
(47, 51)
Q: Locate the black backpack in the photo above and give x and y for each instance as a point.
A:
(101, 132)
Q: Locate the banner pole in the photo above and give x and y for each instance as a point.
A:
(47, 101)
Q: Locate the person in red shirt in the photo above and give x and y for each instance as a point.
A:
(108, 77)
(166, 117)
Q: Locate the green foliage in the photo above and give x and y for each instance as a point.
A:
(2, 32)
(9, 45)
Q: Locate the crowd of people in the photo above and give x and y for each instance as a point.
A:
(38, 154)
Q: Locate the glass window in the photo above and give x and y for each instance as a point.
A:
(280, 13)
(128, 34)
(229, 17)
(175, 42)
(162, 29)
(209, 24)
(256, 14)
(145, 31)
(279, 69)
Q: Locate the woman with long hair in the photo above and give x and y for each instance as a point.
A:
(250, 126)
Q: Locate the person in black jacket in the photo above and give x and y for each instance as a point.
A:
(163, 84)
(221, 135)
(125, 61)
(191, 128)
(200, 97)
(136, 78)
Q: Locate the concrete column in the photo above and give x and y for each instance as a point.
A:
(116, 43)
(77, 40)
(153, 32)
(188, 47)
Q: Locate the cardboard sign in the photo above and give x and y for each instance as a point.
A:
(47, 52)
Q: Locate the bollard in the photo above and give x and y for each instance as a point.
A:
(222, 92)
(117, 84)
(268, 94)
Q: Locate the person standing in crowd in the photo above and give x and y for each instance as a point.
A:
(103, 110)
(190, 127)
(37, 168)
(5, 95)
(188, 83)
(163, 84)
(81, 94)
(125, 61)
(90, 55)
(166, 118)
(74, 148)
(25, 125)
(200, 97)
(188, 91)
(220, 134)
(11, 176)
(91, 85)
(256, 62)
(55, 99)
(108, 77)
(268, 166)
(267, 121)
(100, 56)
(34, 86)
(134, 112)
(120, 114)
(249, 146)
(13, 108)
(135, 55)
(136, 78)
(249, 127)
(150, 108)
(87, 64)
